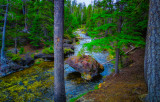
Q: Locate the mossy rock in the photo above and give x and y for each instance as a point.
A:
(39, 60)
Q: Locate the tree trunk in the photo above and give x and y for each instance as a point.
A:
(15, 41)
(59, 86)
(117, 49)
(26, 17)
(152, 54)
(25, 13)
(117, 61)
(3, 36)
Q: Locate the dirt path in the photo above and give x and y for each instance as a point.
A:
(128, 86)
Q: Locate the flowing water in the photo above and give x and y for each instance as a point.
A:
(35, 84)
(75, 88)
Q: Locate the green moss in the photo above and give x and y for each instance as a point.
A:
(96, 87)
(112, 70)
(39, 60)
(23, 86)
(32, 55)
(83, 32)
(48, 50)
(67, 51)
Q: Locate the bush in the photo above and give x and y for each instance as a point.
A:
(81, 53)
(16, 57)
(21, 51)
(13, 57)
(67, 51)
(48, 50)
(32, 55)
(9, 54)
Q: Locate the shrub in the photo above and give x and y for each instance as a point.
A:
(16, 57)
(32, 55)
(48, 50)
(81, 53)
(21, 51)
(9, 54)
(39, 60)
(13, 57)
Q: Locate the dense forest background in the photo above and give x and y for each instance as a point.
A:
(28, 29)
(31, 22)
(113, 26)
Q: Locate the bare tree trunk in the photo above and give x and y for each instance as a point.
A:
(117, 61)
(59, 86)
(152, 54)
(3, 36)
(15, 41)
(25, 13)
(26, 17)
(117, 49)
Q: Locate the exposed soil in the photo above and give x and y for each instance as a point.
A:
(128, 86)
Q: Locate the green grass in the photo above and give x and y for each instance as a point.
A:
(74, 99)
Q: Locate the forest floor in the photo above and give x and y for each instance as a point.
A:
(128, 86)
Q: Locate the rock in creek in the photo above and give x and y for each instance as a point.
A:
(86, 65)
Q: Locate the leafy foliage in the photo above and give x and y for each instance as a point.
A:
(48, 50)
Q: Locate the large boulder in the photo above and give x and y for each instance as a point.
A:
(86, 65)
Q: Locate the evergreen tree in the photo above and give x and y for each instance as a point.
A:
(128, 32)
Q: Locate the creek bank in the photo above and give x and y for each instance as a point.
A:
(86, 65)
(16, 62)
(128, 86)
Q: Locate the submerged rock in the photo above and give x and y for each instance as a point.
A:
(86, 65)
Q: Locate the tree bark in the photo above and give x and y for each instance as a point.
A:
(117, 61)
(59, 86)
(15, 41)
(117, 49)
(152, 54)
(3, 36)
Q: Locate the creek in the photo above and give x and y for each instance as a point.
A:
(35, 84)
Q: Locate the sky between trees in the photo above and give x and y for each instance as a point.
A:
(87, 2)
